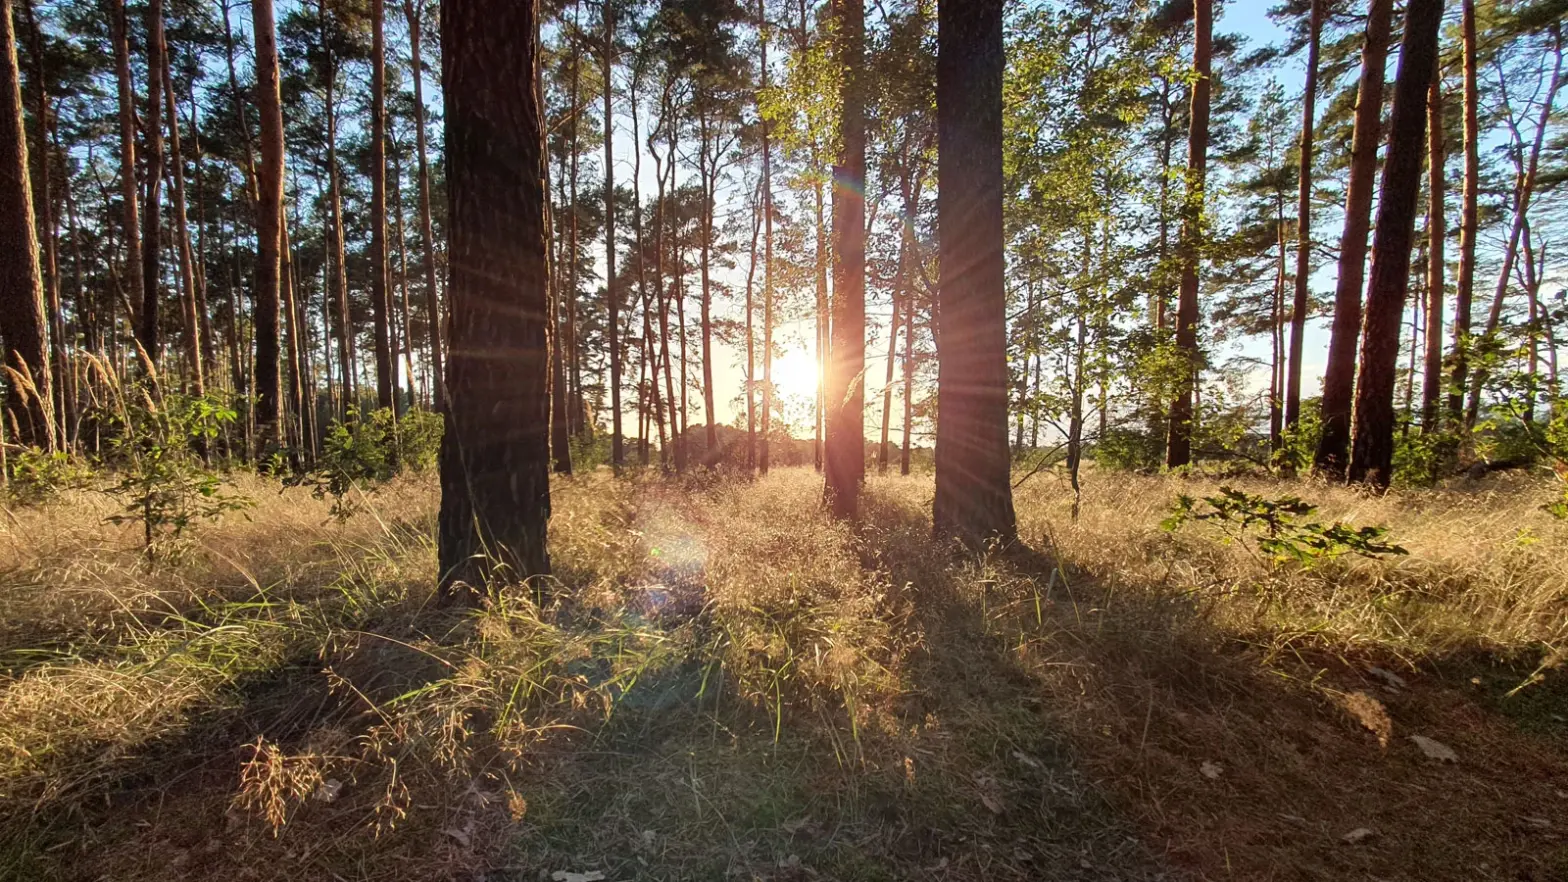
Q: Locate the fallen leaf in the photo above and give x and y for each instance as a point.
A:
(1359, 835)
(1436, 750)
(1388, 677)
(564, 876)
(1211, 770)
(1370, 713)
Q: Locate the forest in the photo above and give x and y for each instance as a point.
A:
(598, 440)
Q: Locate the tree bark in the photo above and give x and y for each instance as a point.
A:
(974, 500)
(1300, 306)
(187, 261)
(1178, 448)
(43, 204)
(149, 333)
(1339, 377)
(1436, 292)
(1372, 452)
(23, 331)
(611, 294)
(130, 194)
(344, 327)
(1469, 224)
(495, 488)
(380, 294)
(844, 453)
(269, 227)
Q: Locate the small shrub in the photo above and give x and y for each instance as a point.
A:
(1287, 535)
(370, 450)
(35, 477)
(164, 485)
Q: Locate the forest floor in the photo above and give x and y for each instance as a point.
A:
(723, 684)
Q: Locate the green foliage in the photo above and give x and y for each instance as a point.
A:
(1129, 449)
(1422, 458)
(1286, 534)
(164, 484)
(34, 477)
(369, 450)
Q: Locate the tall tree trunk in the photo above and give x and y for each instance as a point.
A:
(130, 193)
(844, 446)
(1469, 223)
(823, 324)
(406, 325)
(269, 225)
(764, 456)
(649, 343)
(1372, 453)
(751, 340)
(974, 499)
(1524, 190)
(495, 486)
(23, 331)
(1300, 306)
(707, 179)
(1339, 377)
(577, 412)
(43, 204)
(344, 327)
(1436, 292)
(611, 292)
(380, 294)
(187, 260)
(152, 125)
(412, 10)
(1178, 449)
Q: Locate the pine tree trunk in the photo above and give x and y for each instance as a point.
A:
(1469, 223)
(823, 331)
(1339, 376)
(611, 291)
(751, 340)
(1372, 452)
(1302, 302)
(426, 226)
(23, 331)
(380, 294)
(974, 499)
(1437, 161)
(149, 333)
(130, 194)
(43, 204)
(844, 446)
(187, 260)
(764, 456)
(343, 329)
(1178, 448)
(269, 227)
(495, 487)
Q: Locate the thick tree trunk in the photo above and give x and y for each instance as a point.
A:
(1469, 224)
(1372, 453)
(130, 193)
(974, 500)
(269, 226)
(149, 332)
(1436, 292)
(1302, 302)
(844, 446)
(495, 487)
(380, 293)
(1339, 376)
(1178, 448)
(29, 407)
(426, 227)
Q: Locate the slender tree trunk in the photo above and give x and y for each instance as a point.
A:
(1372, 453)
(269, 226)
(1469, 224)
(649, 355)
(407, 325)
(1339, 378)
(495, 487)
(380, 296)
(974, 500)
(43, 204)
(1278, 368)
(844, 453)
(577, 413)
(187, 260)
(23, 330)
(1437, 162)
(152, 125)
(412, 10)
(823, 329)
(1302, 302)
(611, 292)
(130, 196)
(764, 456)
(1524, 191)
(751, 340)
(707, 178)
(344, 328)
(1178, 450)
(899, 284)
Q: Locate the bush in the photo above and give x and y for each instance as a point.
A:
(369, 450)
(1287, 535)
(34, 477)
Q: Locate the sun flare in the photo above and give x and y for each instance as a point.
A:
(795, 375)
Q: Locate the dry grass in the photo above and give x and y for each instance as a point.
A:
(732, 686)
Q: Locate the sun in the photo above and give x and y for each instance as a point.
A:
(795, 375)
